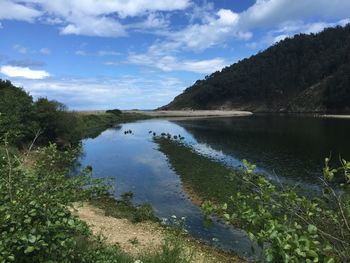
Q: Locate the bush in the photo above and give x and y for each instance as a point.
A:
(56, 123)
(115, 112)
(17, 116)
(35, 223)
(290, 227)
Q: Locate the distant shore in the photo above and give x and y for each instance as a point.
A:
(336, 116)
(194, 113)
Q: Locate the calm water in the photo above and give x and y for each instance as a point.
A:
(291, 148)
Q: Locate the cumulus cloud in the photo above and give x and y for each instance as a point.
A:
(89, 17)
(23, 72)
(12, 10)
(123, 8)
(92, 26)
(216, 30)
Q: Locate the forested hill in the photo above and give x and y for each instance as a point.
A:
(306, 73)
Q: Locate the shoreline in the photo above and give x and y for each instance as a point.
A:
(334, 116)
(192, 114)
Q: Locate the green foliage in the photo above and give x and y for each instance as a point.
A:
(290, 227)
(35, 223)
(114, 111)
(303, 73)
(21, 119)
(17, 117)
(56, 123)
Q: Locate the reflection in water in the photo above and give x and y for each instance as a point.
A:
(292, 147)
(139, 167)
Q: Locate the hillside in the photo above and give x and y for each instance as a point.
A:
(306, 73)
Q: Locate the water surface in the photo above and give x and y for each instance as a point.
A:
(289, 147)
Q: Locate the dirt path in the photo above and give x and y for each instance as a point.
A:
(142, 237)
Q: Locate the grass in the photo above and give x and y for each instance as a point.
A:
(203, 178)
(124, 208)
(172, 251)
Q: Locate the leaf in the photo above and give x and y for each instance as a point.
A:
(329, 260)
(227, 217)
(29, 250)
(32, 238)
(312, 229)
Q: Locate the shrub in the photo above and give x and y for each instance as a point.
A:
(290, 227)
(115, 112)
(35, 223)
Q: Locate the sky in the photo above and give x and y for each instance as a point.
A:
(140, 54)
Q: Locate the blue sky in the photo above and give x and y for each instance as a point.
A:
(100, 54)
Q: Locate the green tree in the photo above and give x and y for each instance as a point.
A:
(17, 116)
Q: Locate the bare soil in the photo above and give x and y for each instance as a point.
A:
(145, 237)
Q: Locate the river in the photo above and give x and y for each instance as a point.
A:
(287, 148)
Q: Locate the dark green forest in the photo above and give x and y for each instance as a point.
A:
(306, 73)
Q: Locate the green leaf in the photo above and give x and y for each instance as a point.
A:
(29, 249)
(329, 260)
(312, 229)
(32, 238)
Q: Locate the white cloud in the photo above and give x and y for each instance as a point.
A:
(227, 17)
(23, 72)
(169, 63)
(218, 29)
(96, 18)
(12, 10)
(123, 8)
(127, 92)
(102, 53)
(45, 51)
(290, 28)
(153, 21)
(99, 53)
(94, 26)
(269, 13)
(20, 49)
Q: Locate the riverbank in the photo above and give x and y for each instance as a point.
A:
(191, 113)
(95, 122)
(334, 116)
(147, 237)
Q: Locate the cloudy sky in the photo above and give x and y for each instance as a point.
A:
(99, 54)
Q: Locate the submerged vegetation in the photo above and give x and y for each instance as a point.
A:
(288, 226)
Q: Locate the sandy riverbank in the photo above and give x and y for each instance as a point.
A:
(335, 116)
(194, 114)
(145, 237)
